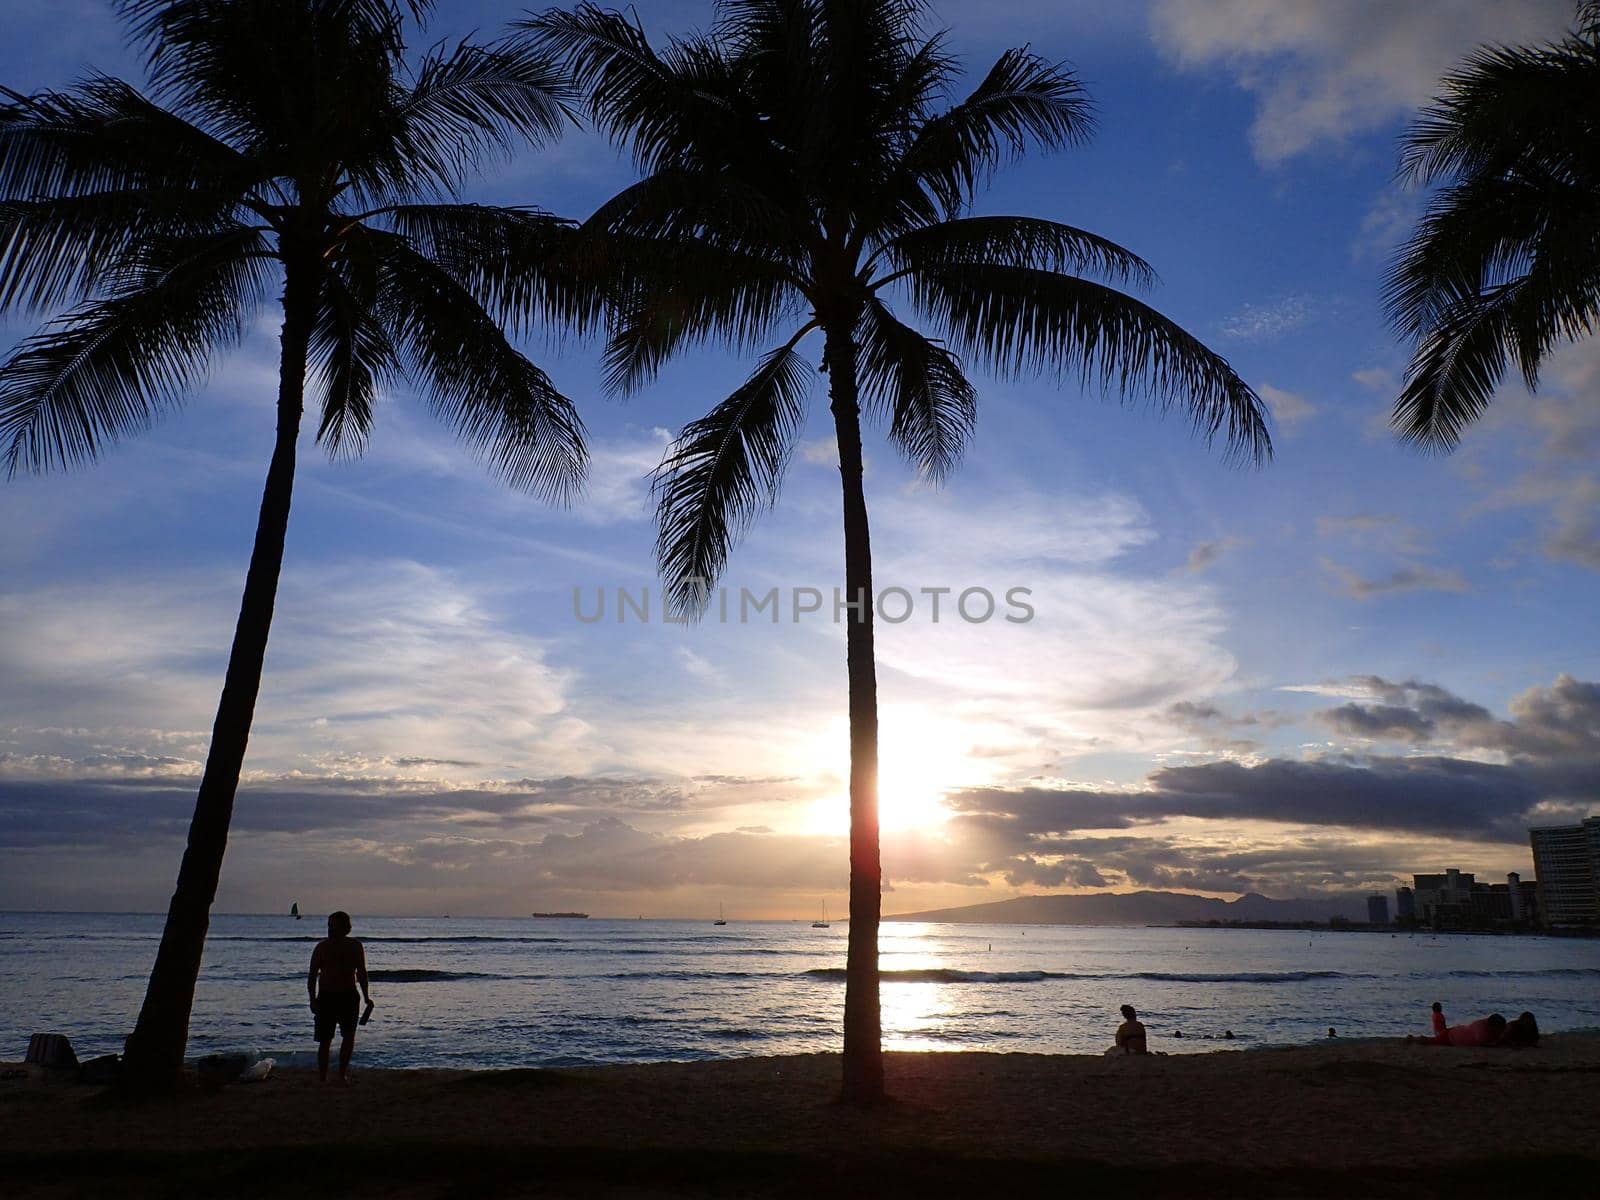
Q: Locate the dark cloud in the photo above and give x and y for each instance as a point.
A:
(1380, 721)
(1412, 577)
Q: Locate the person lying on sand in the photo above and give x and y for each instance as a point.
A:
(1484, 1032)
(1524, 1031)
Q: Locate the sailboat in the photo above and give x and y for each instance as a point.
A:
(822, 924)
(719, 920)
(294, 910)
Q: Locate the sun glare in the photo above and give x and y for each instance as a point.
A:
(914, 772)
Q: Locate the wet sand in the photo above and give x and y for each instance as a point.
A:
(1344, 1118)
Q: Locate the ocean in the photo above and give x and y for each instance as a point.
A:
(533, 992)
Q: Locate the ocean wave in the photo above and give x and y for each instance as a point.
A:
(1239, 977)
(1535, 973)
(421, 975)
(951, 975)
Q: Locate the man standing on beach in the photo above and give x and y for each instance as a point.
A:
(338, 964)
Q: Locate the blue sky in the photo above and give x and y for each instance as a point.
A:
(1349, 665)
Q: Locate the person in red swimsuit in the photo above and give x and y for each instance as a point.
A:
(1485, 1032)
(1439, 1023)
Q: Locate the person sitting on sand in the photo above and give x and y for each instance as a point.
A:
(1130, 1034)
(338, 964)
(1484, 1032)
(1439, 1023)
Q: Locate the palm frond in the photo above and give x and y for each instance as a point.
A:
(1019, 242)
(58, 251)
(668, 295)
(104, 136)
(721, 471)
(1018, 320)
(1456, 369)
(504, 408)
(351, 354)
(919, 384)
(106, 369)
(1477, 233)
(1508, 108)
(522, 264)
(667, 106)
(1023, 99)
(477, 101)
(720, 208)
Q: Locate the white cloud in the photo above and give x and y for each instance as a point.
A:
(1289, 409)
(1327, 72)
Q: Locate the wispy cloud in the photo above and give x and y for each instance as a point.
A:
(1412, 577)
(1267, 322)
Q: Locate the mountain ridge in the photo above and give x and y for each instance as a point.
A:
(1141, 908)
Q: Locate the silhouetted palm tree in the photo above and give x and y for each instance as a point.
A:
(283, 139)
(798, 174)
(1505, 263)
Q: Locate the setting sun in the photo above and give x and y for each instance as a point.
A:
(918, 763)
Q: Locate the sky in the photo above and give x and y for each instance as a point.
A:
(1316, 677)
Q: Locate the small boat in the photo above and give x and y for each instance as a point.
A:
(719, 920)
(294, 910)
(822, 924)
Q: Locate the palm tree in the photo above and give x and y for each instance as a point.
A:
(1505, 263)
(798, 174)
(295, 144)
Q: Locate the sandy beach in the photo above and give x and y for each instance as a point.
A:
(1374, 1119)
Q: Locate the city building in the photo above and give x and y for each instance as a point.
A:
(1377, 910)
(1444, 900)
(1566, 858)
(1405, 904)
(1460, 900)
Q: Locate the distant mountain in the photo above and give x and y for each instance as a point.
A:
(1141, 908)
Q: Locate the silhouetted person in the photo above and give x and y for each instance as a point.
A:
(1524, 1031)
(338, 964)
(1332, 1032)
(1130, 1034)
(1439, 1023)
(1227, 1035)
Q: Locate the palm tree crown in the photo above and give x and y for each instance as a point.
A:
(1505, 263)
(285, 139)
(800, 169)
(279, 136)
(802, 172)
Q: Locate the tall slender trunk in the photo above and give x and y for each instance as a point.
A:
(863, 1040)
(154, 1058)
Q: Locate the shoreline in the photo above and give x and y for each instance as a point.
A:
(1356, 1116)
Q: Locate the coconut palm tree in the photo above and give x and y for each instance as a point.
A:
(1505, 262)
(801, 176)
(283, 141)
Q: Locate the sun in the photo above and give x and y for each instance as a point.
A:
(917, 764)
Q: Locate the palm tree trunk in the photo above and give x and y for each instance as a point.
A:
(154, 1058)
(863, 1043)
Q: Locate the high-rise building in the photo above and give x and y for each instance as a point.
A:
(1566, 859)
(1405, 904)
(1377, 910)
(1444, 899)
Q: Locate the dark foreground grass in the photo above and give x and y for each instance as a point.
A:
(450, 1170)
